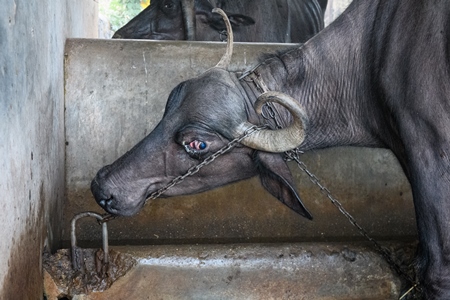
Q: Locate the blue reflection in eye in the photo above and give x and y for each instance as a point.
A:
(197, 145)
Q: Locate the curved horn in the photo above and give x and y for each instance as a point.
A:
(226, 58)
(189, 18)
(282, 139)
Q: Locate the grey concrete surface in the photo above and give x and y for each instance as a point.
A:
(337, 271)
(32, 39)
(334, 9)
(115, 94)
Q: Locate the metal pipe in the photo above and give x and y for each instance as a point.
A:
(75, 251)
(189, 18)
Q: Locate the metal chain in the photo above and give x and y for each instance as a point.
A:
(223, 35)
(293, 155)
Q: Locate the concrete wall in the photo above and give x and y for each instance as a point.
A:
(32, 39)
(115, 94)
(334, 9)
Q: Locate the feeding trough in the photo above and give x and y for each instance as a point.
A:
(233, 271)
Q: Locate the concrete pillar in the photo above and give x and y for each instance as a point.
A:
(32, 39)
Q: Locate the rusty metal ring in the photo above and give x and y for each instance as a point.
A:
(76, 263)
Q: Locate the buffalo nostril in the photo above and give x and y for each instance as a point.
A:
(105, 202)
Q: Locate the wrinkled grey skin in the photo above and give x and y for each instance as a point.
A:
(378, 77)
(292, 21)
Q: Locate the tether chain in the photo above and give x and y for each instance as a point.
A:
(270, 113)
(293, 155)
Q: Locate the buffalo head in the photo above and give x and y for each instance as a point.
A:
(175, 20)
(202, 115)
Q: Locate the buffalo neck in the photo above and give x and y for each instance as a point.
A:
(332, 86)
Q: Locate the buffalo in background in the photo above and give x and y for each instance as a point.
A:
(273, 21)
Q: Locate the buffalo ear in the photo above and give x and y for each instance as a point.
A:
(277, 179)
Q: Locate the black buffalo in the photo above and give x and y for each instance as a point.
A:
(379, 76)
(287, 21)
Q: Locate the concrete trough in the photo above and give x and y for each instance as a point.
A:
(253, 271)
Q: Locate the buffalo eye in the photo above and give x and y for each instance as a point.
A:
(169, 5)
(197, 145)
